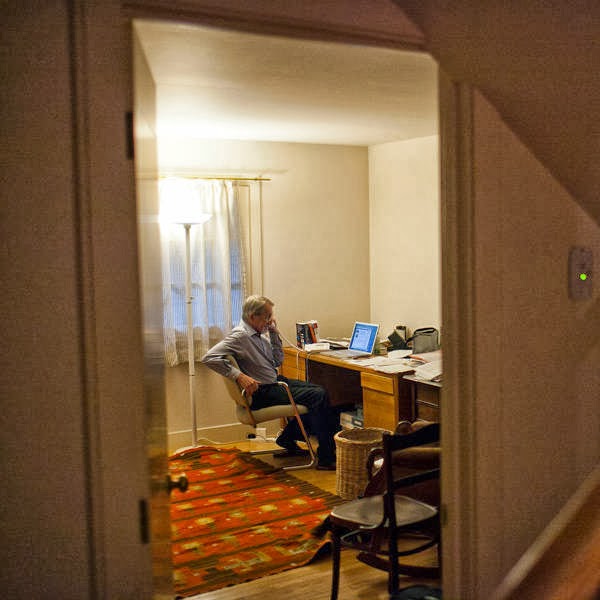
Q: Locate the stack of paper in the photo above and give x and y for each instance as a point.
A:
(431, 371)
(427, 357)
(386, 364)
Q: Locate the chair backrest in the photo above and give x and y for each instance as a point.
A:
(429, 434)
(419, 453)
(394, 443)
(243, 412)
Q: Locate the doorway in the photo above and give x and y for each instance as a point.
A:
(193, 34)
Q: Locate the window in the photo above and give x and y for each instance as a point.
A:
(217, 260)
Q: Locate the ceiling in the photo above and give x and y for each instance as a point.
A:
(221, 84)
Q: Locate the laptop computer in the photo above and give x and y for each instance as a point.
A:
(362, 341)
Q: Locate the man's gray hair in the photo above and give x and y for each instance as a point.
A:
(255, 305)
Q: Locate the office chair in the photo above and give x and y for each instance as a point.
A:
(247, 416)
(374, 523)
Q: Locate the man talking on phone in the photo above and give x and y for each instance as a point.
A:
(256, 345)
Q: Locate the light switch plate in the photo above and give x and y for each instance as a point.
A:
(580, 273)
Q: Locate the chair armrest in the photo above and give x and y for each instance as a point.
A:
(374, 455)
(242, 401)
(286, 387)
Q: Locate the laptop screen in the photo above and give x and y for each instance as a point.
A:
(363, 337)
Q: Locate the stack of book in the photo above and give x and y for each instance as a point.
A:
(307, 332)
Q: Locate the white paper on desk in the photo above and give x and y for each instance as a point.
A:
(428, 357)
(429, 371)
(395, 354)
(376, 361)
(370, 361)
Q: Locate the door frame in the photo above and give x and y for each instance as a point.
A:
(457, 227)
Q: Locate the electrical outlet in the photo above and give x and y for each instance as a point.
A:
(580, 273)
(261, 433)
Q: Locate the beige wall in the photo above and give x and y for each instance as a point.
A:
(405, 234)
(315, 205)
(315, 237)
(537, 386)
(44, 500)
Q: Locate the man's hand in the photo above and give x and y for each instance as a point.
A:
(248, 384)
(272, 326)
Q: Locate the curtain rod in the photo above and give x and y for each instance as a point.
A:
(217, 178)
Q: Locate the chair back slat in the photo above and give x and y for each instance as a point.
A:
(392, 443)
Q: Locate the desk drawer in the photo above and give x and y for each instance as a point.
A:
(379, 383)
(427, 405)
(427, 411)
(380, 409)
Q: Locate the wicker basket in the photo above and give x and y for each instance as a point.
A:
(352, 448)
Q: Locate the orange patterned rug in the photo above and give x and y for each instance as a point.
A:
(240, 519)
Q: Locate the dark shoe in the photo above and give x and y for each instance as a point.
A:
(291, 449)
(326, 466)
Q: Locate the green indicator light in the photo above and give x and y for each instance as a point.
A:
(583, 276)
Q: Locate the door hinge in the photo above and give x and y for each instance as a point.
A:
(129, 137)
(144, 522)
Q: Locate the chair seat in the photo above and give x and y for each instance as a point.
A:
(269, 413)
(247, 416)
(368, 512)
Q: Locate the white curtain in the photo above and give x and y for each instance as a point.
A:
(218, 269)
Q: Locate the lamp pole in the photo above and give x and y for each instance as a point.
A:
(181, 205)
(190, 331)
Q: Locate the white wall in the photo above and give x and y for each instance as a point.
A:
(315, 213)
(405, 234)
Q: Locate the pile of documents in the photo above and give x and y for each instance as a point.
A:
(427, 366)
(395, 362)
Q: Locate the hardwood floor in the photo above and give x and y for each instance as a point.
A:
(313, 582)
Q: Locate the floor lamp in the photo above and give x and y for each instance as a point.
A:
(181, 209)
(189, 298)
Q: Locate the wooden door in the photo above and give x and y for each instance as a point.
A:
(122, 362)
(146, 176)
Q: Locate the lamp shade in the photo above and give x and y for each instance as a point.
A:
(179, 203)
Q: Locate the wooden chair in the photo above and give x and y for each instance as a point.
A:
(407, 462)
(247, 416)
(373, 524)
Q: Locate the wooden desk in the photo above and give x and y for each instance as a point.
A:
(425, 398)
(385, 397)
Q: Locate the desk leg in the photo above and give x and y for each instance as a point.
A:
(407, 400)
